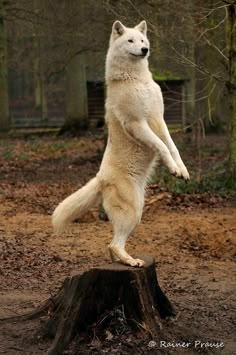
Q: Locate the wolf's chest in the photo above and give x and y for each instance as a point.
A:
(151, 98)
(150, 89)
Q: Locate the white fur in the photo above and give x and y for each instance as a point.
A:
(137, 136)
(76, 205)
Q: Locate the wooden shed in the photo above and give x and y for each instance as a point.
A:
(24, 114)
(173, 92)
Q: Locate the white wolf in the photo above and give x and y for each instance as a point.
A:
(137, 135)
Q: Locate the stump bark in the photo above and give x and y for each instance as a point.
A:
(85, 297)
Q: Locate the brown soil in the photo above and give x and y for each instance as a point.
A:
(192, 240)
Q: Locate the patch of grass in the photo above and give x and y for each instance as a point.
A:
(210, 150)
(23, 157)
(165, 75)
(7, 152)
(21, 151)
(25, 150)
(216, 180)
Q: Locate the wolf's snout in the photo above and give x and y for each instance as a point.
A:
(144, 50)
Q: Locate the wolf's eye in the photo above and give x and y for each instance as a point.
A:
(142, 40)
(130, 41)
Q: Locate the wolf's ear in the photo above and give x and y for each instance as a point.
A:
(117, 29)
(142, 27)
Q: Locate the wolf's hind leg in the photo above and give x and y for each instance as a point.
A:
(124, 217)
(117, 254)
(117, 246)
(114, 258)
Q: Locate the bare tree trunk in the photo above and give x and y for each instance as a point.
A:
(211, 106)
(231, 85)
(36, 69)
(76, 95)
(191, 85)
(4, 105)
(191, 71)
(40, 93)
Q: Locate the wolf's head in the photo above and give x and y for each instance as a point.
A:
(130, 43)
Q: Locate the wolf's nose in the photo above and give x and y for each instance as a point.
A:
(144, 50)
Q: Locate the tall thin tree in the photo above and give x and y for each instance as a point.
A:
(4, 105)
(231, 84)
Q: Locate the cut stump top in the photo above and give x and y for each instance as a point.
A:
(117, 266)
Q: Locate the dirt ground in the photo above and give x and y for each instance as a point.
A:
(191, 237)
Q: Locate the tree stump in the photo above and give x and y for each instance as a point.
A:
(85, 297)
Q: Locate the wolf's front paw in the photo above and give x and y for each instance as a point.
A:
(184, 172)
(174, 169)
(171, 165)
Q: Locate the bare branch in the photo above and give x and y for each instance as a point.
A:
(215, 27)
(216, 48)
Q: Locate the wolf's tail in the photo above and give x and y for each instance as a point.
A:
(76, 205)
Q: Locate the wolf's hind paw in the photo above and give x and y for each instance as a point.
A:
(135, 262)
